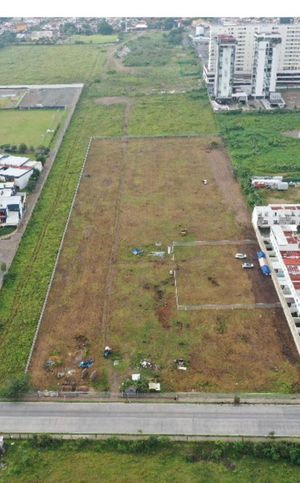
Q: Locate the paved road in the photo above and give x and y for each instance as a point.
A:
(152, 418)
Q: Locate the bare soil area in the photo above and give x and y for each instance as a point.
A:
(142, 193)
(292, 98)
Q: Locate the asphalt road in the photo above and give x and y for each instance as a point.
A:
(151, 418)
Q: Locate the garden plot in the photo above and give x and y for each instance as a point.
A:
(141, 194)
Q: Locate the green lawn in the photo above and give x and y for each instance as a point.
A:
(84, 461)
(93, 39)
(41, 64)
(256, 141)
(29, 127)
(171, 114)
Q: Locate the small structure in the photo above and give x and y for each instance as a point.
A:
(270, 182)
(135, 377)
(154, 386)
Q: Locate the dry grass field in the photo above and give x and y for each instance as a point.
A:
(142, 193)
(212, 275)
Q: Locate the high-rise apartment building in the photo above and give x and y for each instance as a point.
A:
(265, 64)
(224, 75)
(288, 66)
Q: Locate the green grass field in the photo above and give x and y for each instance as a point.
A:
(93, 39)
(257, 141)
(171, 114)
(56, 64)
(83, 461)
(29, 127)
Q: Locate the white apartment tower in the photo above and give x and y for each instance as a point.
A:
(224, 73)
(265, 64)
(288, 68)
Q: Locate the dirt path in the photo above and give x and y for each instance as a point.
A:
(220, 164)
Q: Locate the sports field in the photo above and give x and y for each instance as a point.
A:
(29, 127)
(141, 193)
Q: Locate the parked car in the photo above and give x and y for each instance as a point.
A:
(248, 265)
(240, 255)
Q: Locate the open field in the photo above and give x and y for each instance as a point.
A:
(134, 307)
(135, 461)
(56, 64)
(29, 127)
(258, 142)
(102, 294)
(212, 275)
(93, 39)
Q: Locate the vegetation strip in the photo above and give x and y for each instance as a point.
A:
(56, 261)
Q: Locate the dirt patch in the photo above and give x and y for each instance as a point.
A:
(291, 98)
(292, 134)
(229, 187)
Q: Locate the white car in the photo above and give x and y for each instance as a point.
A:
(248, 265)
(240, 255)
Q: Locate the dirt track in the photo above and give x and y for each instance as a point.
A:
(230, 188)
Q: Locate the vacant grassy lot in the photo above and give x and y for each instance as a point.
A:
(56, 64)
(93, 39)
(80, 461)
(102, 294)
(258, 141)
(164, 69)
(212, 275)
(29, 127)
(173, 115)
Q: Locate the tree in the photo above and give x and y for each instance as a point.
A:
(69, 28)
(175, 36)
(105, 28)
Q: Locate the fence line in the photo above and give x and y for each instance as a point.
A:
(212, 243)
(155, 136)
(275, 305)
(57, 258)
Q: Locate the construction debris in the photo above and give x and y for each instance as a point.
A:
(135, 377)
(137, 251)
(181, 364)
(107, 352)
(87, 364)
(154, 386)
(157, 254)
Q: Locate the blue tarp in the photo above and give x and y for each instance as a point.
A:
(137, 251)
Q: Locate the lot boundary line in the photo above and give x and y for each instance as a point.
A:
(57, 259)
(261, 305)
(213, 243)
(159, 136)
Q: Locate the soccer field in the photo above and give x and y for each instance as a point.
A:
(29, 127)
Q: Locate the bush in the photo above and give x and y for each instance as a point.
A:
(16, 388)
